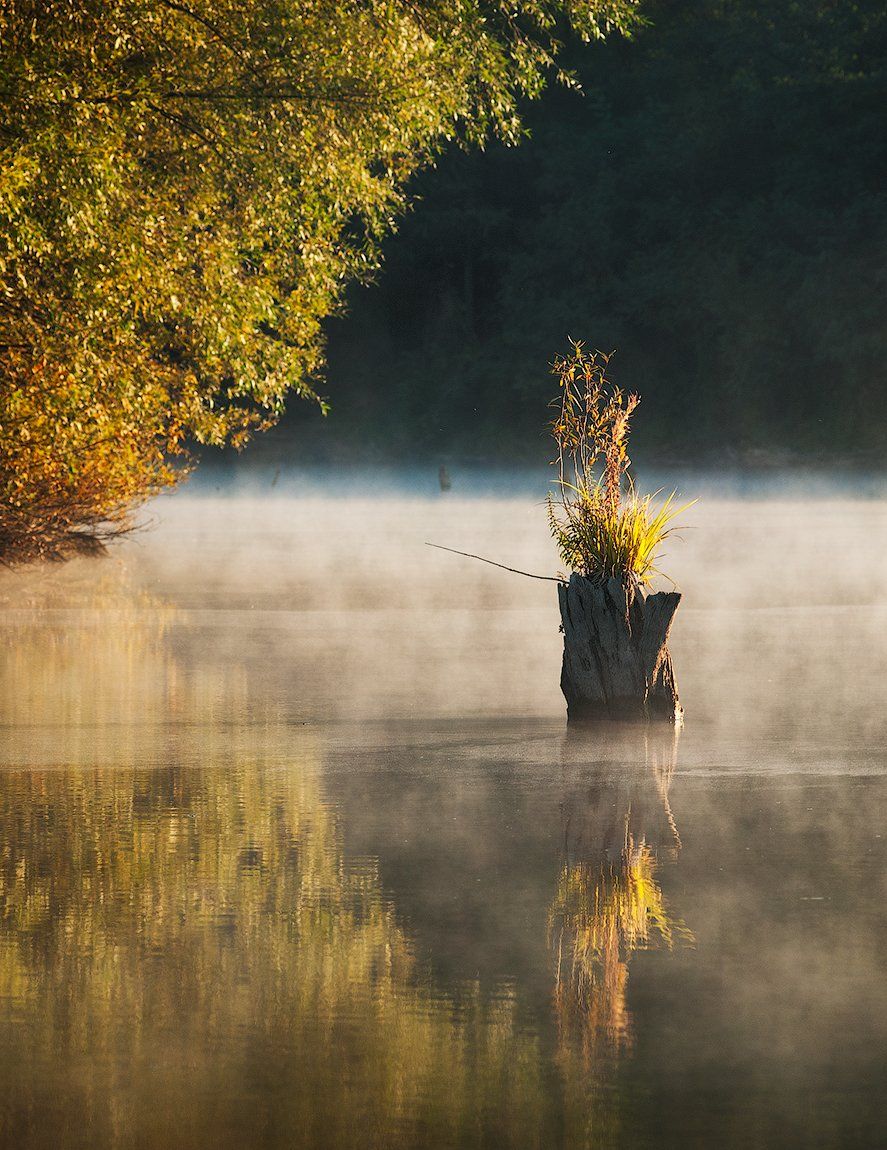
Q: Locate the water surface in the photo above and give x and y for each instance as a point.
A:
(296, 849)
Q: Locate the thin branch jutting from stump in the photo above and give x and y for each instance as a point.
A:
(492, 563)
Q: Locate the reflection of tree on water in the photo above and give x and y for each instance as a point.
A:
(90, 660)
(200, 936)
(609, 903)
(188, 956)
(87, 646)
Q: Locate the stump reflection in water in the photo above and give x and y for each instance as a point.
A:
(609, 903)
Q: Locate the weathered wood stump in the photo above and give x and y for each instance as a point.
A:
(616, 661)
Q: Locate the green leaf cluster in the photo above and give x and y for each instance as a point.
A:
(186, 186)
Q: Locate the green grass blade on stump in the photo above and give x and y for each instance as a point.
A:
(602, 526)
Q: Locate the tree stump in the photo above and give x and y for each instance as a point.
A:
(616, 661)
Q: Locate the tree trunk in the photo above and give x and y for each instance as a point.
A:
(616, 661)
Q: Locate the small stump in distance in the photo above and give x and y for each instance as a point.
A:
(616, 661)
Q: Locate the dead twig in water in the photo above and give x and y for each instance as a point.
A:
(493, 563)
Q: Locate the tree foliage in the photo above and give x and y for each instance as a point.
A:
(185, 188)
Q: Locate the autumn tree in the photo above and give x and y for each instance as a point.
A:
(185, 190)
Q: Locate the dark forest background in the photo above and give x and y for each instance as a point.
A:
(712, 205)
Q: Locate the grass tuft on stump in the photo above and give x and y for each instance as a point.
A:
(603, 527)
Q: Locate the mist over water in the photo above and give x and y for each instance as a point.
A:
(296, 849)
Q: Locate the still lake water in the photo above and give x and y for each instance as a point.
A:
(296, 850)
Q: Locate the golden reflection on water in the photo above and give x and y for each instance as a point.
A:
(189, 956)
(609, 903)
(93, 675)
(199, 939)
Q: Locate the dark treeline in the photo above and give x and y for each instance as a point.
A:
(713, 206)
